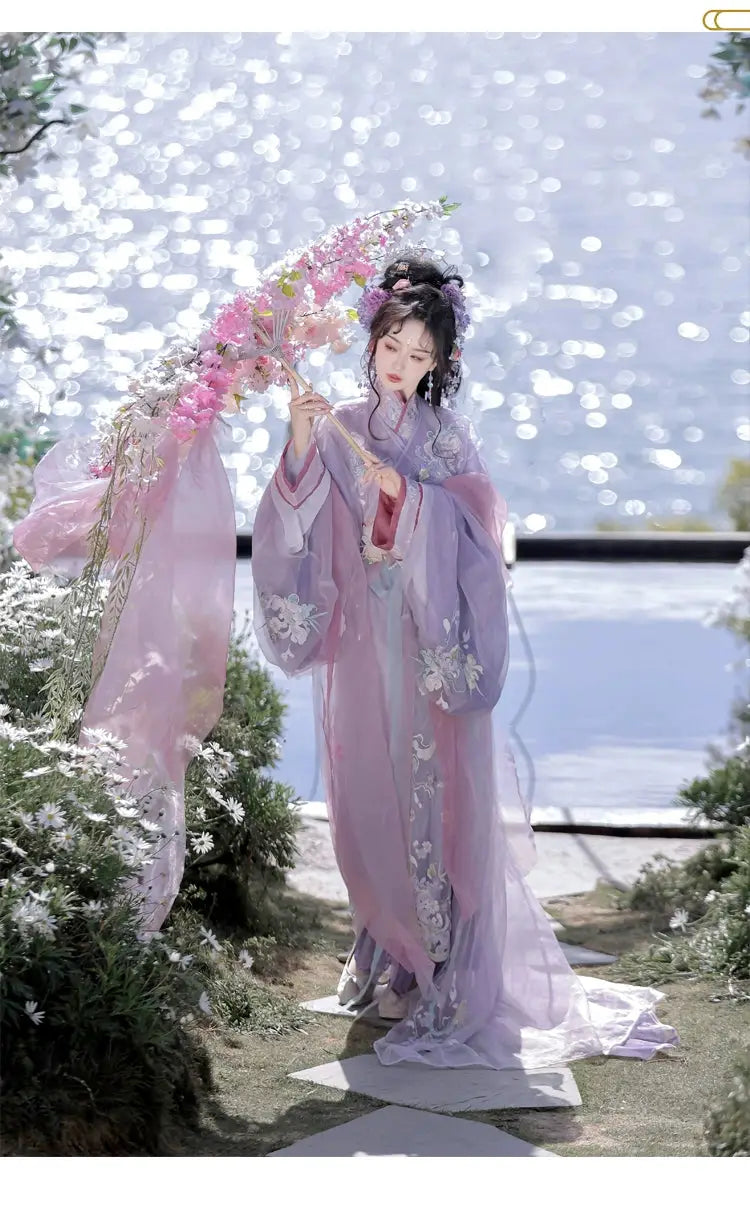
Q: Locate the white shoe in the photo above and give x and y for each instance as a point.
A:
(350, 985)
(391, 1005)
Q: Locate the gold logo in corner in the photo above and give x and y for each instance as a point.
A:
(720, 18)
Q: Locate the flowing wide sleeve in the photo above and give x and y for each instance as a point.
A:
(297, 609)
(448, 539)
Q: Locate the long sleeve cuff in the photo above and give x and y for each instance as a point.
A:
(294, 466)
(299, 490)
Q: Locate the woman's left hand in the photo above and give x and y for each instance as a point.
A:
(386, 477)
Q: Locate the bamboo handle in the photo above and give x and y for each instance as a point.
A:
(299, 380)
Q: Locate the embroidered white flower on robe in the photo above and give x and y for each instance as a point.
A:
(289, 618)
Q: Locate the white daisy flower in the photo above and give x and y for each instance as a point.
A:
(32, 1010)
(42, 663)
(65, 838)
(236, 811)
(680, 920)
(14, 848)
(50, 815)
(204, 1004)
(202, 843)
(33, 916)
(208, 938)
(246, 959)
(102, 737)
(217, 796)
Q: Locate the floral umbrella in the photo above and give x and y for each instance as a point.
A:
(253, 342)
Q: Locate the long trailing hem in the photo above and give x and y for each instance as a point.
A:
(517, 1002)
(163, 679)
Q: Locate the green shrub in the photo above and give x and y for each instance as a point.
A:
(734, 494)
(663, 887)
(19, 453)
(711, 931)
(99, 1054)
(723, 796)
(243, 1003)
(727, 1127)
(31, 639)
(241, 823)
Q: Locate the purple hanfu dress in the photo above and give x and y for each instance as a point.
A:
(399, 609)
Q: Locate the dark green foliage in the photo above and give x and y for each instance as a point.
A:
(243, 1003)
(233, 883)
(728, 1123)
(663, 887)
(723, 796)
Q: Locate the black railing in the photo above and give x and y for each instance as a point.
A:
(659, 547)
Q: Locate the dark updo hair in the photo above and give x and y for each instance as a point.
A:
(425, 302)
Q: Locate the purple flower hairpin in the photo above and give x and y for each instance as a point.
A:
(452, 291)
(373, 298)
(369, 304)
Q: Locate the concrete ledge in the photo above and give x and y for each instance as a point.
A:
(637, 822)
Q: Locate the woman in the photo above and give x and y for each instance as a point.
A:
(384, 576)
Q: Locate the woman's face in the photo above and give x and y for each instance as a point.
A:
(404, 356)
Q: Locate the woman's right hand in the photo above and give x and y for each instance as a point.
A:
(303, 409)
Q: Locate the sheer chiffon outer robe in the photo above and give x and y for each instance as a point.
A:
(399, 609)
(161, 689)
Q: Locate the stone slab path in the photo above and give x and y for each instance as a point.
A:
(447, 1089)
(401, 1132)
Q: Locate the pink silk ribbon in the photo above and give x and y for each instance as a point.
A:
(164, 675)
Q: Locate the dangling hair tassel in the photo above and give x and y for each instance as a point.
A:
(428, 396)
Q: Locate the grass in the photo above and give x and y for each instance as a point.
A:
(629, 1107)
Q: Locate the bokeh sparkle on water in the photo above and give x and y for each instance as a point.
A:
(603, 229)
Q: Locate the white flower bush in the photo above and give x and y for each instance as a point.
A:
(94, 1012)
(96, 1016)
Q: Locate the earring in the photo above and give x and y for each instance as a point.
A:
(428, 396)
